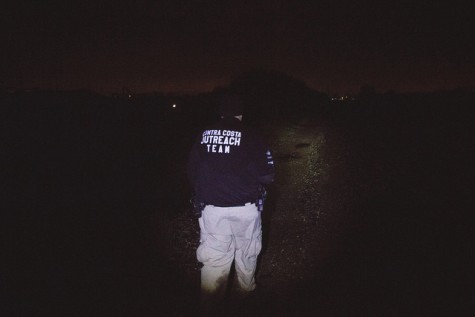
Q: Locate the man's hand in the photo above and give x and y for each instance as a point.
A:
(261, 198)
(196, 207)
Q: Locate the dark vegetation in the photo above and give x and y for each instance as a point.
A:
(93, 184)
(405, 249)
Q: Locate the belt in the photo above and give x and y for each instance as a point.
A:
(240, 205)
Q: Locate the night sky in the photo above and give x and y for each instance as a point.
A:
(194, 46)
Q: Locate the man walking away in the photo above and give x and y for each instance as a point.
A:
(227, 167)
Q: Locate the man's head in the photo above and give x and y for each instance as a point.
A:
(230, 105)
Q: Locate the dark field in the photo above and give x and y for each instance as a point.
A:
(96, 201)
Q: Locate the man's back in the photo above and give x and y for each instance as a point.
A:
(226, 163)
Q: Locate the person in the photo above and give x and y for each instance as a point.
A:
(227, 166)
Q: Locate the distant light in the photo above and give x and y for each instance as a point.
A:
(130, 96)
(174, 106)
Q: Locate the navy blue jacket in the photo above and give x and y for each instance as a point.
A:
(228, 163)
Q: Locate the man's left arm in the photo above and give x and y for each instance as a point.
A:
(193, 164)
(267, 170)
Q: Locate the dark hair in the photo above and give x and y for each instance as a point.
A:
(230, 105)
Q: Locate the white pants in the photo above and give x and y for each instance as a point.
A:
(227, 234)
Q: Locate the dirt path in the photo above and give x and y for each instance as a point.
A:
(292, 213)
